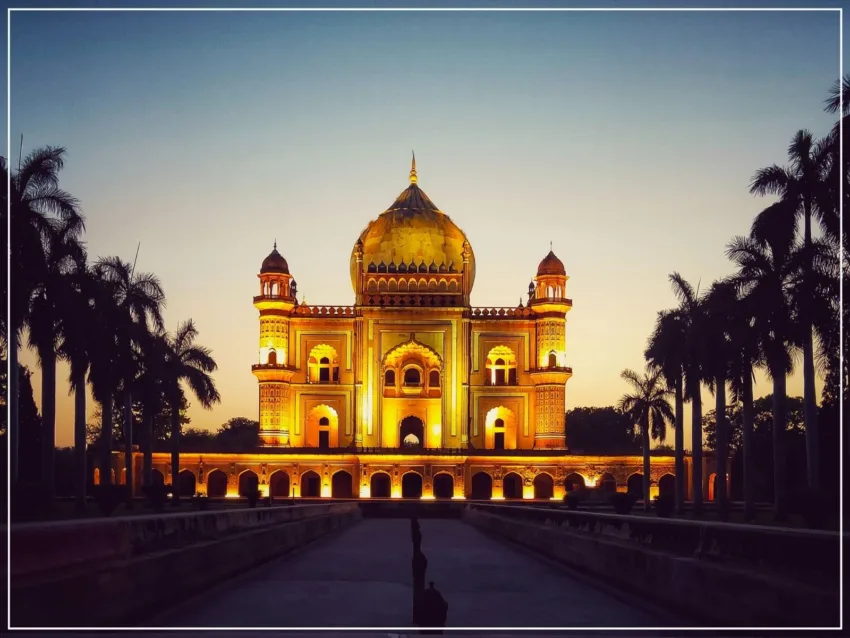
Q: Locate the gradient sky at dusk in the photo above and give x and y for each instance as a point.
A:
(626, 139)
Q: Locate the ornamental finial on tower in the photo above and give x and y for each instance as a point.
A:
(413, 178)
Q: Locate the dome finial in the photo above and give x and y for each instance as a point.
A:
(275, 243)
(413, 178)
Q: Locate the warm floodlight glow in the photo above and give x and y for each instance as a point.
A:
(326, 491)
(527, 491)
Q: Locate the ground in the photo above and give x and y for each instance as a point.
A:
(362, 578)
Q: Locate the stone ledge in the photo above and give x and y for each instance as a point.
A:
(126, 591)
(716, 594)
(46, 547)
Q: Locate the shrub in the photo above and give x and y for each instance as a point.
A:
(200, 501)
(253, 496)
(664, 506)
(812, 507)
(572, 500)
(622, 502)
(156, 495)
(108, 497)
(29, 501)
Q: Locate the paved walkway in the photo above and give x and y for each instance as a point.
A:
(362, 578)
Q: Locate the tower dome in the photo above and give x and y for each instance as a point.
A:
(275, 263)
(551, 265)
(412, 232)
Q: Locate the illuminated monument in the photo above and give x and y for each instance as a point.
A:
(412, 392)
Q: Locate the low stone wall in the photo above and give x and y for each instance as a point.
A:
(114, 572)
(701, 569)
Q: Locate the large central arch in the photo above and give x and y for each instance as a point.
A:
(411, 432)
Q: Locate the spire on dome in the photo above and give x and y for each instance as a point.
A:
(413, 178)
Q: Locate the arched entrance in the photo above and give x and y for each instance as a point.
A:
(482, 486)
(512, 486)
(634, 485)
(411, 485)
(667, 486)
(380, 485)
(712, 486)
(248, 483)
(444, 486)
(311, 485)
(279, 484)
(412, 432)
(186, 483)
(574, 481)
(544, 486)
(156, 477)
(216, 484)
(341, 485)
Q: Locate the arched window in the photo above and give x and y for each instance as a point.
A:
(434, 378)
(500, 371)
(411, 377)
(324, 370)
(272, 358)
(323, 365)
(553, 360)
(389, 378)
(324, 421)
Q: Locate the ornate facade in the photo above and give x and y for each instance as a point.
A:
(411, 391)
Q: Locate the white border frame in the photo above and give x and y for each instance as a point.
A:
(840, 12)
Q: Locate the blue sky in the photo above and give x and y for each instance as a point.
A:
(627, 139)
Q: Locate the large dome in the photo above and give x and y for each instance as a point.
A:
(413, 230)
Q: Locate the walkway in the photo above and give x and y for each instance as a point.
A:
(361, 578)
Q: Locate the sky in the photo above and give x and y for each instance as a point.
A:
(626, 139)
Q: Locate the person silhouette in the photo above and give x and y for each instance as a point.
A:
(434, 610)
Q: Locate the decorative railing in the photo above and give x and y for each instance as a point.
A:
(271, 366)
(435, 300)
(552, 369)
(562, 300)
(520, 312)
(273, 298)
(324, 311)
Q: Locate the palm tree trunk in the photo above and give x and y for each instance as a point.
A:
(696, 448)
(645, 441)
(722, 448)
(810, 408)
(106, 441)
(749, 501)
(779, 425)
(680, 447)
(48, 420)
(147, 452)
(80, 468)
(14, 400)
(128, 448)
(175, 449)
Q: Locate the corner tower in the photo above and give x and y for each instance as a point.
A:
(275, 303)
(547, 298)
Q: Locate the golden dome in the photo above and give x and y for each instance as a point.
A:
(275, 263)
(551, 265)
(413, 231)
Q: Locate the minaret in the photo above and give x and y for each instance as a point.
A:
(551, 373)
(275, 303)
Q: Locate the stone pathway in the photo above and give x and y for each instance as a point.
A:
(362, 578)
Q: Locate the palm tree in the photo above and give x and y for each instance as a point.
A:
(649, 411)
(720, 303)
(692, 313)
(665, 353)
(34, 202)
(798, 186)
(186, 361)
(149, 389)
(769, 263)
(139, 301)
(76, 347)
(745, 349)
(63, 255)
